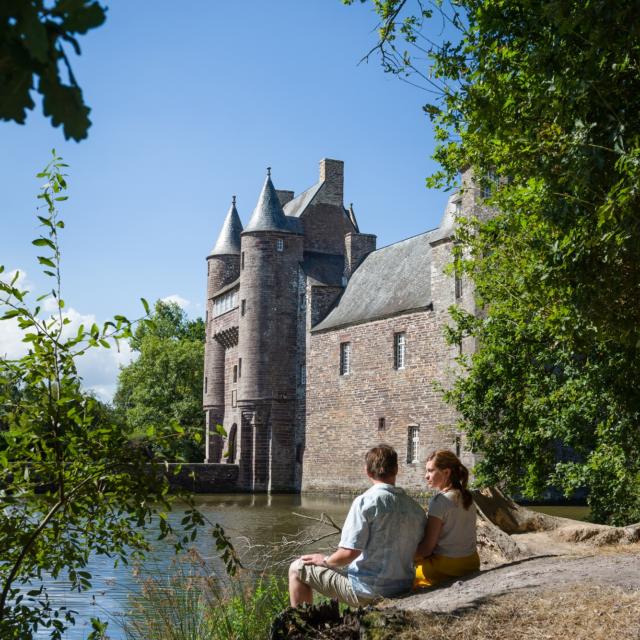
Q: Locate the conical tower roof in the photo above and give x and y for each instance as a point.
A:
(228, 242)
(268, 214)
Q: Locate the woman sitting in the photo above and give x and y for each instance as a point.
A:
(448, 548)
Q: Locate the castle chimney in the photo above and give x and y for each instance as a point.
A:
(284, 196)
(332, 175)
(357, 247)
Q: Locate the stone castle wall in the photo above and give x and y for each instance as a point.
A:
(344, 412)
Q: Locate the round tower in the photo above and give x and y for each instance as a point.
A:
(223, 267)
(272, 250)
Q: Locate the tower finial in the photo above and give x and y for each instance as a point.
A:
(268, 172)
(233, 200)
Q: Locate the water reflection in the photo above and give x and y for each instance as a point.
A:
(261, 518)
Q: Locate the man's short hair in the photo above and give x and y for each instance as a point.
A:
(382, 461)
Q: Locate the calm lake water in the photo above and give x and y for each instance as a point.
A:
(262, 519)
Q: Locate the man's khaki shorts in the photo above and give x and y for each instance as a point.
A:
(330, 583)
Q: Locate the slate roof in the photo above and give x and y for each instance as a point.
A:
(323, 268)
(268, 214)
(295, 208)
(448, 223)
(228, 242)
(392, 280)
(227, 287)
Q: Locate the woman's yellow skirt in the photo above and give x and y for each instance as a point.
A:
(434, 569)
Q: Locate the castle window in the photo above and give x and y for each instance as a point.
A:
(458, 286)
(345, 358)
(413, 444)
(225, 302)
(242, 260)
(399, 350)
(303, 375)
(239, 367)
(382, 424)
(458, 446)
(457, 208)
(243, 307)
(235, 373)
(487, 185)
(206, 381)
(231, 444)
(279, 244)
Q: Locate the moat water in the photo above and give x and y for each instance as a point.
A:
(262, 519)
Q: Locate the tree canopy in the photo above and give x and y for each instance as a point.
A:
(33, 35)
(164, 385)
(546, 96)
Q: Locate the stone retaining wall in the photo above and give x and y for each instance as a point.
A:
(205, 478)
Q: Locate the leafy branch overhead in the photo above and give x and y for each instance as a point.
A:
(545, 96)
(36, 39)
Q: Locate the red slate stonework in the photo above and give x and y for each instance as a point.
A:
(343, 411)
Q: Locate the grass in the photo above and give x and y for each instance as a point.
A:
(195, 604)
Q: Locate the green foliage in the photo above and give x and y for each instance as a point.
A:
(33, 34)
(545, 95)
(168, 322)
(72, 482)
(195, 604)
(164, 385)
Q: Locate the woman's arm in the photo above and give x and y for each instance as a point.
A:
(430, 539)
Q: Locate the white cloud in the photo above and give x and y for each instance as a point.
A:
(11, 345)
(183, 303)
(98, 367)
(22, 282)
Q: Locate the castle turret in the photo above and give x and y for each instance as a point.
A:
(272, 250)
(223, 268)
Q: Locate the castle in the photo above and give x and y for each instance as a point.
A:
(319, 345)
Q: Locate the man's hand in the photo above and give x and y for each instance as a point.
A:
(338, 558)
(314, 558)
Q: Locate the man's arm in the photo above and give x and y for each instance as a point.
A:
(430, 539)
(338, 558)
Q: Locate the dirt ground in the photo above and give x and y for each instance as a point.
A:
(578, 612)
(619, 567)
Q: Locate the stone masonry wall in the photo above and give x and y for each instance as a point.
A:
(343, 412)
(268, 351)
(325, 226)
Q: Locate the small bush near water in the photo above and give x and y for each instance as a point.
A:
(195, 604)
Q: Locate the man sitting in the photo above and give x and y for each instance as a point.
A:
(379, 538)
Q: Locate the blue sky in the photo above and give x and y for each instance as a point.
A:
(191, 101)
